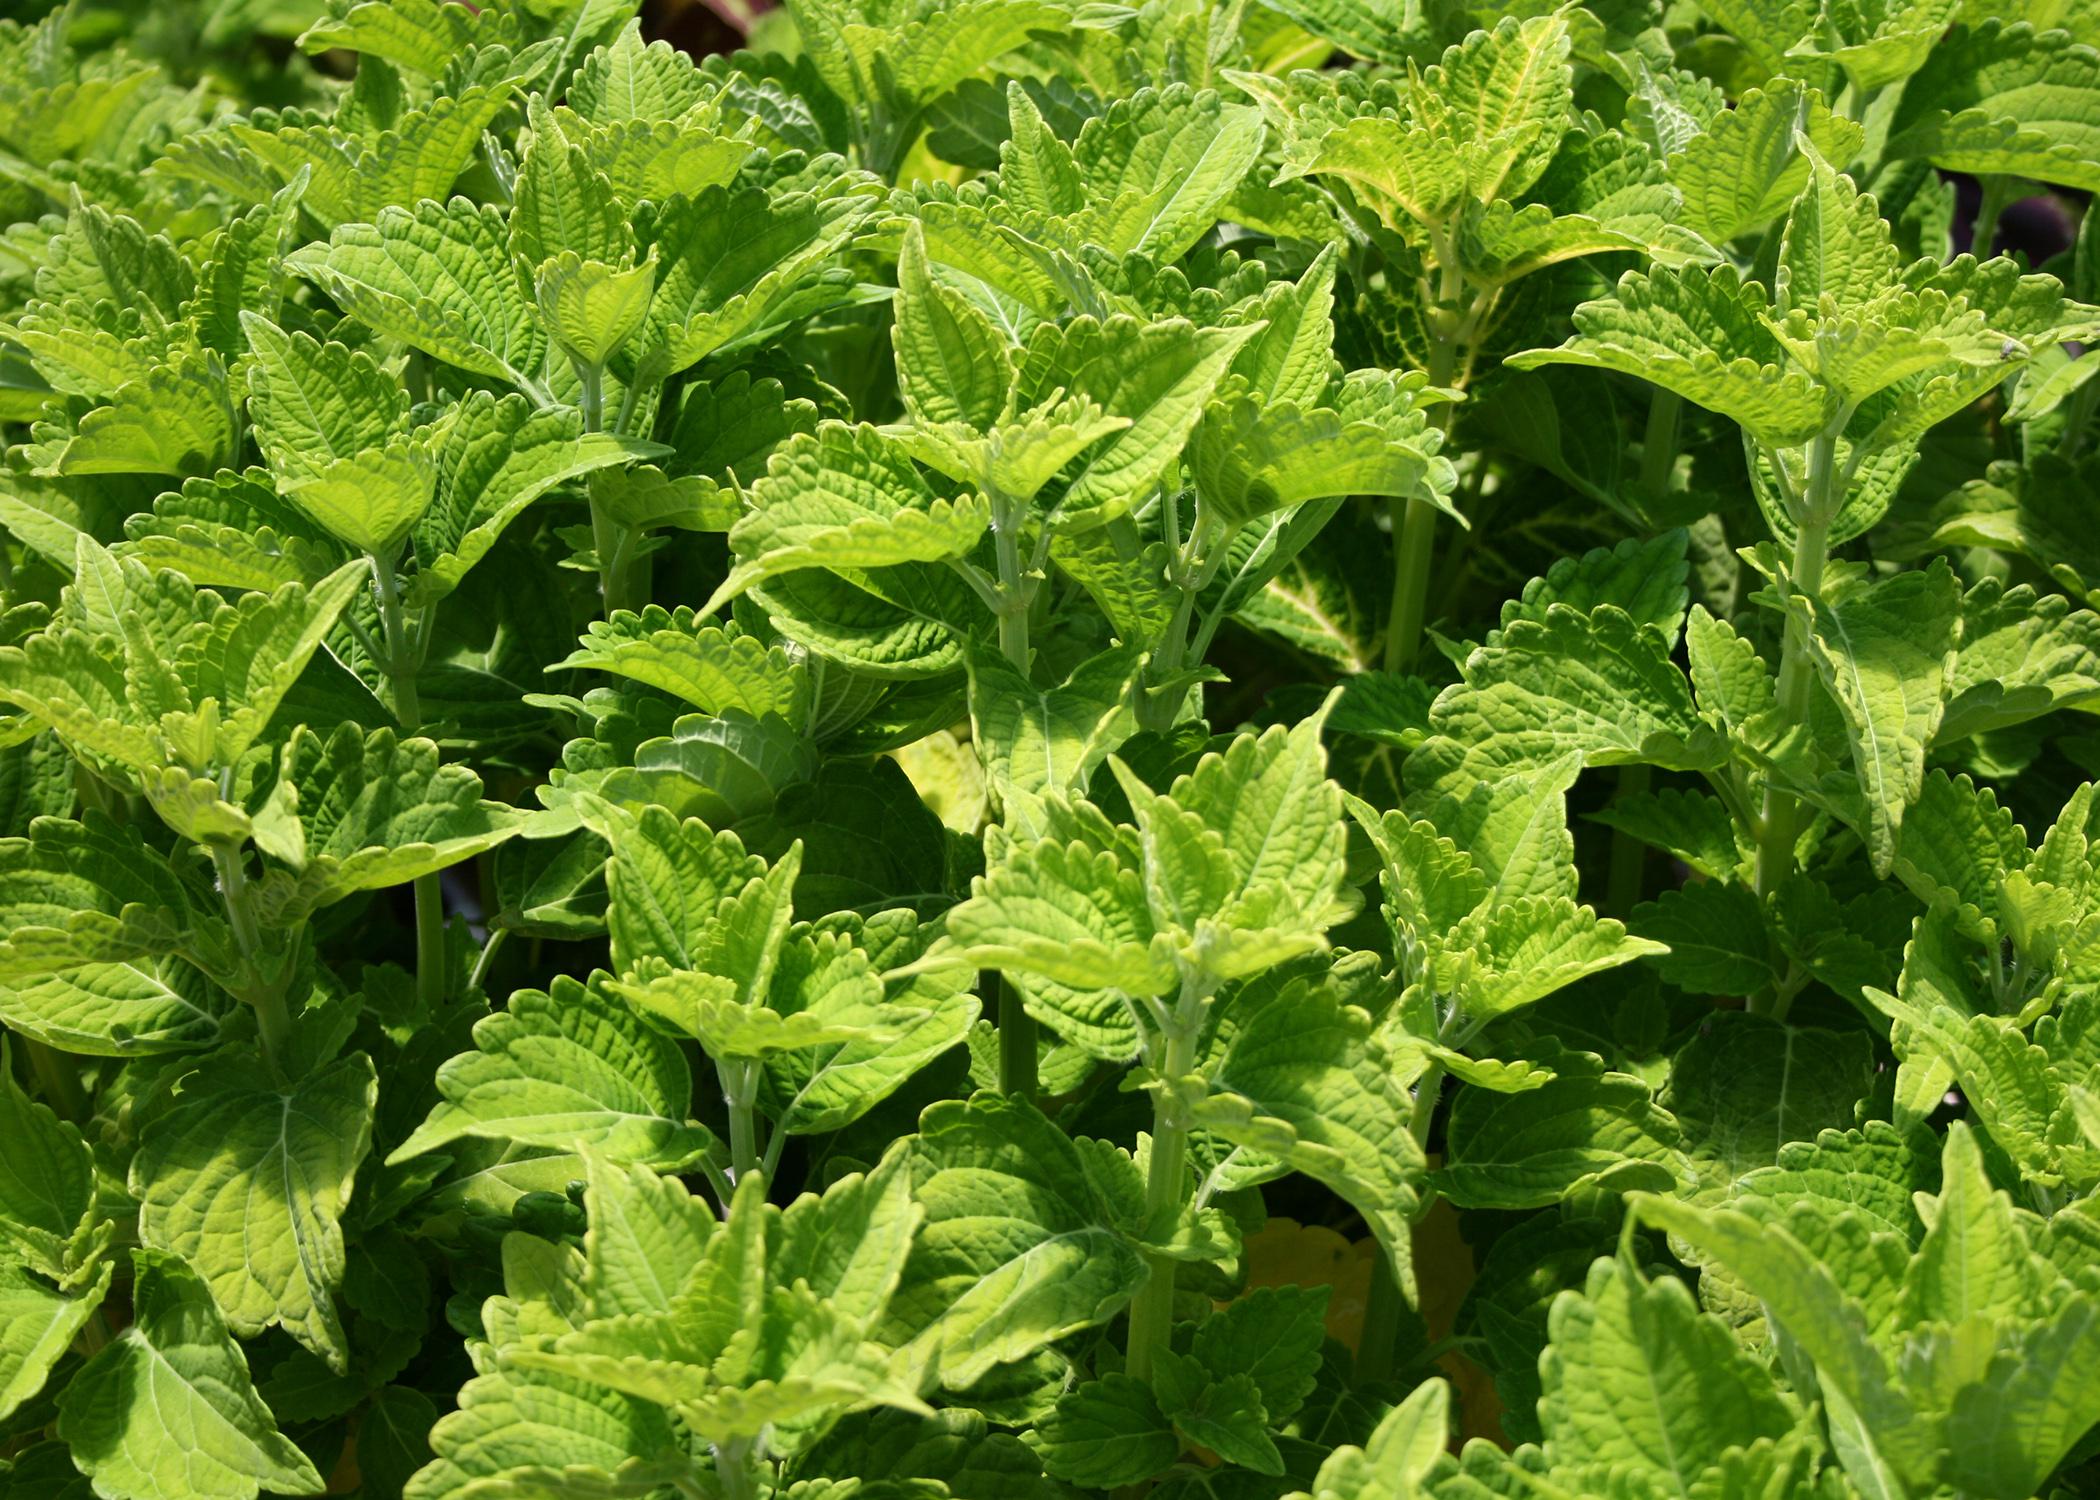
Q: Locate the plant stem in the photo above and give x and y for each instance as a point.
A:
(740, 1093)
(1778, 822)
(733, 1472)
(1017, 1044)
(1659, 444)
(1166, 1191)
(1414, 538)
(401, 666)
(1999, 193)
(1629, 856)
(272, 1019)
(60, 1078)
(487, 957)
(1017, 1030)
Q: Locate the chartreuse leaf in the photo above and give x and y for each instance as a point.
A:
(88, 893)
(440, 279)
(1023, 1243)
(713, 667)
(1593, 683)
(1704, 334)
(1397, 1458)
(48, 1190)
(1583, 1127)
(2006, 99)
(167, 1412)
(1883, 652)
(566, 1066)
(750, 1331)
(1745, 169)
(1038, 741)
(1305, 1083)
(1636, 1376)
(175, 418)
(38, 1324)
(845, 498)
(496, 457)
(372, 811)
(248, 1185)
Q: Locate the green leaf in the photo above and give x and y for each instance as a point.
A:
(953, 363)
(714, 668)
(1018, 1248)
(87, 893)
(497, 456)
(1745, 169)
(1155, 170)
(1637, 1376)
(439, 278)
(176, 418)
(47, 1187)
(565, 1067)
(1596, 684)
(38, 1324)
(166, 1411)
(1035, 740)
(1158, 376)
(845, 498)
(1883, 651)
(1585, 1126)
(732, 262)
(248, 1185)
(1303, 1082)
(2003, 99)
(530, 1426)
(1272, 1335)
(1704, 334)
(1392, 1465)
(1745, 1086)
(1105, 1433)
(1717, 939)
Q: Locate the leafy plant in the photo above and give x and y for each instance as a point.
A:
(1227, 748)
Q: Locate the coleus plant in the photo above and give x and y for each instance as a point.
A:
(771, 774)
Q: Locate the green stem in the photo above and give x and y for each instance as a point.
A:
(1414, 537)
(1659, 444)
(1629, 856)
(733, 1471)
(272, 1019)
(1778, 822)
(60, 1078)
(1166, 1191)
(487, 957)
(401, 666)
(1017, 1044)
(740, 1093)
(1999, 194)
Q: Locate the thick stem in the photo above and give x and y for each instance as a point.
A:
(1017, 1044)
(1166, 1192)
(1413, 552)
(1778, 822)
(1014, 594)
(733, 1471)
(1999, 194)
(740, 1093)
(1017, 1030)
(60, 1079)
(1659, 444)
(272, 1019)
(401, 666)
(1414, 534)
(1629, 856)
